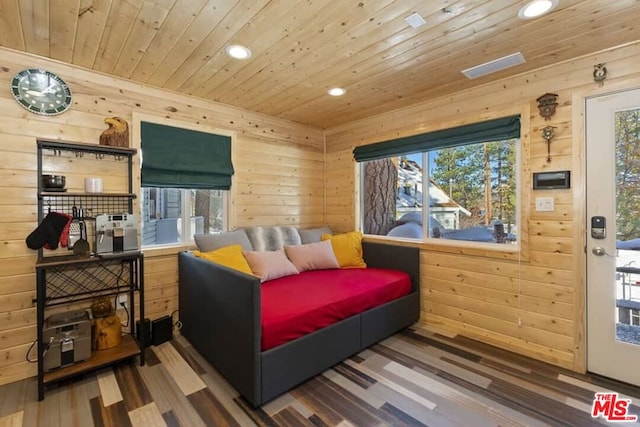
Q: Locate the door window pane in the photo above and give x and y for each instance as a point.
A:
(627, 141)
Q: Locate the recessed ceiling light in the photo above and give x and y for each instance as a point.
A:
(336, 91)
(536, 8)
(238, 52)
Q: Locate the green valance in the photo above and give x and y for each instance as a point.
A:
(491, 130)
(182, 158)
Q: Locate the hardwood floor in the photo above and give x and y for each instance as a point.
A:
(414, 378)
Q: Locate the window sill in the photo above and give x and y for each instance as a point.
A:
(460, 247)
(397, 240)
(483, 249)
(163, 250)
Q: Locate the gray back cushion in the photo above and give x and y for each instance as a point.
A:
(211, 242)
(272, 238)
(312, 235)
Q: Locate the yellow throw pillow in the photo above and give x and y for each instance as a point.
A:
(347, 248)
(229, 256)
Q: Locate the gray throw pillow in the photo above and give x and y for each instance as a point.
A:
(313, 235)
(272, 238)
(211, 242)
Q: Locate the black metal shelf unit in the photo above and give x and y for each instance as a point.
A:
(73, 278)
(69, 279)
(93, 203)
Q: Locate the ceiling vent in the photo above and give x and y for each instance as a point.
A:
(494, 66)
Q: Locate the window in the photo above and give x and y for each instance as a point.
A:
(635, 317)
(185, 176)
(163, 220)
(467, 186)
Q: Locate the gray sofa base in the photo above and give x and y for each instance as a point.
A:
(220, 316)
(285, 366)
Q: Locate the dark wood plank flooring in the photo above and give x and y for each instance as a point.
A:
(415, 378)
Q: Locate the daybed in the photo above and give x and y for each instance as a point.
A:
(220, 312)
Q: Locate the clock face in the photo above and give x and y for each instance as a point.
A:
(41, 92)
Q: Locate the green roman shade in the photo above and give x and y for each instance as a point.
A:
(491, 130)
(181, 158)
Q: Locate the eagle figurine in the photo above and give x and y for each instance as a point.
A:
(117, 135)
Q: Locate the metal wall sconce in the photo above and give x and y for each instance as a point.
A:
(547, 133)
(547, 105)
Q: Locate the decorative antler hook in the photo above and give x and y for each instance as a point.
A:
(547, 133)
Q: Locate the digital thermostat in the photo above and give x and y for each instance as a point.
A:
(551, 180)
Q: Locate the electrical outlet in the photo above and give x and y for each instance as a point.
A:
(123, 298)
(519, 321)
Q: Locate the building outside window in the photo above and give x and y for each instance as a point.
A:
(162, 214)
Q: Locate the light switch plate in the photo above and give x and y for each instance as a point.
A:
(544, 204)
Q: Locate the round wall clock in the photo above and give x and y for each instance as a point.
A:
(41, 92)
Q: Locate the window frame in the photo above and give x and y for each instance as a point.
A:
(516, 252)
(634, 317)
(185, 217)
(136, 139)
(426, 237)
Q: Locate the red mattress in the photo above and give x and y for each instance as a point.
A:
(296, 305)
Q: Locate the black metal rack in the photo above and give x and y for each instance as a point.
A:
(92, 203)
(71, 279)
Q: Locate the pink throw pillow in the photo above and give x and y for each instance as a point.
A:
(269, 265)
(312, 256)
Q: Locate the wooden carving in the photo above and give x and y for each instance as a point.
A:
(547, 105)
(102, 307)
(117, 135)
(599, 73)
(107, 332)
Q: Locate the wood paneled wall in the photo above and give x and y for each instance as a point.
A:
(483, 293)
(279, 180)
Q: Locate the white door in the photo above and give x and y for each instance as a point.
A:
(613, 256)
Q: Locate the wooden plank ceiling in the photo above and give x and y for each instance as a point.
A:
(303, 47)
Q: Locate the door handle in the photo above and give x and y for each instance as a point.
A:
(600, 251)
